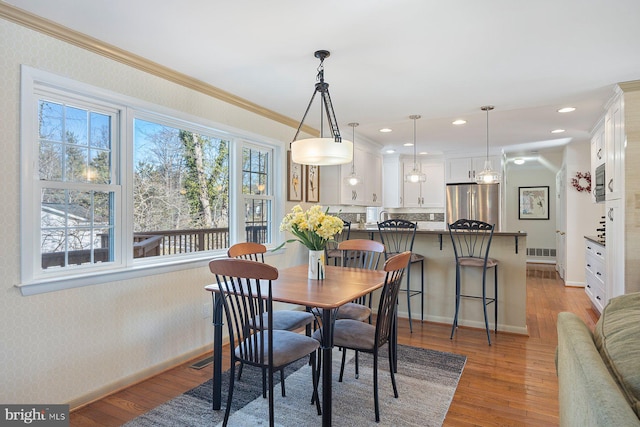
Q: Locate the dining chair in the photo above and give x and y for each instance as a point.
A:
(331, 250)
(398, 235)
(471, 241)
(241, 283)
(286, 320)
(368, 338)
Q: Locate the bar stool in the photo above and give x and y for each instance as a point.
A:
(397, 236)
(471, 243)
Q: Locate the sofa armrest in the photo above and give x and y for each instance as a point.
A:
(588, 394)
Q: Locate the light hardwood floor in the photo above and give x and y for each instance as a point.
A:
(511, 383)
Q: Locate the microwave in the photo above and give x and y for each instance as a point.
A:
(599, 187)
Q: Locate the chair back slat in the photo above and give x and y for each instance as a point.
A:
(395, 267)
(397, 235)
(245, 287)
(471, 238)
(247, 250)
(361, 253)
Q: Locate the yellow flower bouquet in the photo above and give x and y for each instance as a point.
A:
(313, 228)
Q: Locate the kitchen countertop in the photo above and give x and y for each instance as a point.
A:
(595, 239)
(444, 231)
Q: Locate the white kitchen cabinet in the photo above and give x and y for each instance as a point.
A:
(614, 140)
(368, 166)
(595, 274)
(465, 169)
(615, 258)
(393, 182)
(597, 154)
(429, 194)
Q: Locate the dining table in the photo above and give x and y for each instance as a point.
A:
(340, 286)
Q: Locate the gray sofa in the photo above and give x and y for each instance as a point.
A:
(599, 372)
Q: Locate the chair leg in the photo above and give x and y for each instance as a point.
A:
(240, 370)
(484, 304)
(232, 374)
(282, 382)
(344, 358)
(271, 398)
(357, 367)
(455, 317)
(409, 296)
(495, 297)
(422, 291)
(314, 379)
(391, 370)
(375, 385)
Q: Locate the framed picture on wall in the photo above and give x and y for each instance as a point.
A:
(294, 180)
(533, 202)
(313, 183)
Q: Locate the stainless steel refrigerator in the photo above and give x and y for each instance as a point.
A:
(474, 201)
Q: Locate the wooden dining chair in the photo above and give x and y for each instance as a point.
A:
(288, 320)
(241, 283)
(368, 338)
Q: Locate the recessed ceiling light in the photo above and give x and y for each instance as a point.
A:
(519, 161)
(408, 144)
(422, 153)
(458, 122)
(557, 131)
(385, 130)
(390, 151)
(566, 110)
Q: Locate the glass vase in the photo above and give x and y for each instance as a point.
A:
(316, 265)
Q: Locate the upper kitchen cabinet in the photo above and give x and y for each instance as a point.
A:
(428, 194)
(368, 166)
(614, 142)
(465, 169)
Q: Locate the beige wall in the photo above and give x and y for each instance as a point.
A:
(632, 186)
(66, 346)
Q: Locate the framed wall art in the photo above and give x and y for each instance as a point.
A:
(313, 183)
(294, 180)
(533, 202)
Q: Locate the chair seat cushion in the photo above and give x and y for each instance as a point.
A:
(288, 320)
(354, 311)
(351, 334)
(416, 257)
(287, 347)
(616, 337)
(477, 262)
(334, 253)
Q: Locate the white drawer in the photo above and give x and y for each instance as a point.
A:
(595, 249)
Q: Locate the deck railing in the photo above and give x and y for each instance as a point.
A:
(159, 243)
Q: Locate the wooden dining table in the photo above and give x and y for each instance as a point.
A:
(340, 286)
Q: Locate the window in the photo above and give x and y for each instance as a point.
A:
(111, 187)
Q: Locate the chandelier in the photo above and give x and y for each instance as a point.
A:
(322, 151)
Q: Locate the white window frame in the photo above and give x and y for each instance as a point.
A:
(33, 279)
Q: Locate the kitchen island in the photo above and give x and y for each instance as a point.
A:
(509, 248)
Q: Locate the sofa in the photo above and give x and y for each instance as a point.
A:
(599, 372)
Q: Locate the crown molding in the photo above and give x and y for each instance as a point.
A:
(630, 86)
(52, 29)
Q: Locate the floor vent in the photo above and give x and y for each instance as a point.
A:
(541, 252)
(204, 362)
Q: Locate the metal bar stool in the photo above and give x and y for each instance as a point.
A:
(471, 243)
(397, 236)
(332, 251)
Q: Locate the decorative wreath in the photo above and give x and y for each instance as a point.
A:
(580, 179)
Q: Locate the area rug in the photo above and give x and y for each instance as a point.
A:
(426, 380)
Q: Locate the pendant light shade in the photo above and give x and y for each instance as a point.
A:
(352, 179)
(488, 175)
(322, 151)
(415, 175)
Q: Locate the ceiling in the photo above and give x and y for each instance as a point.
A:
(390, 59)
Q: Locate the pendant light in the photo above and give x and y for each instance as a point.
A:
(415, 175)
(322, 151)
(488, 175)
(352, 180)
